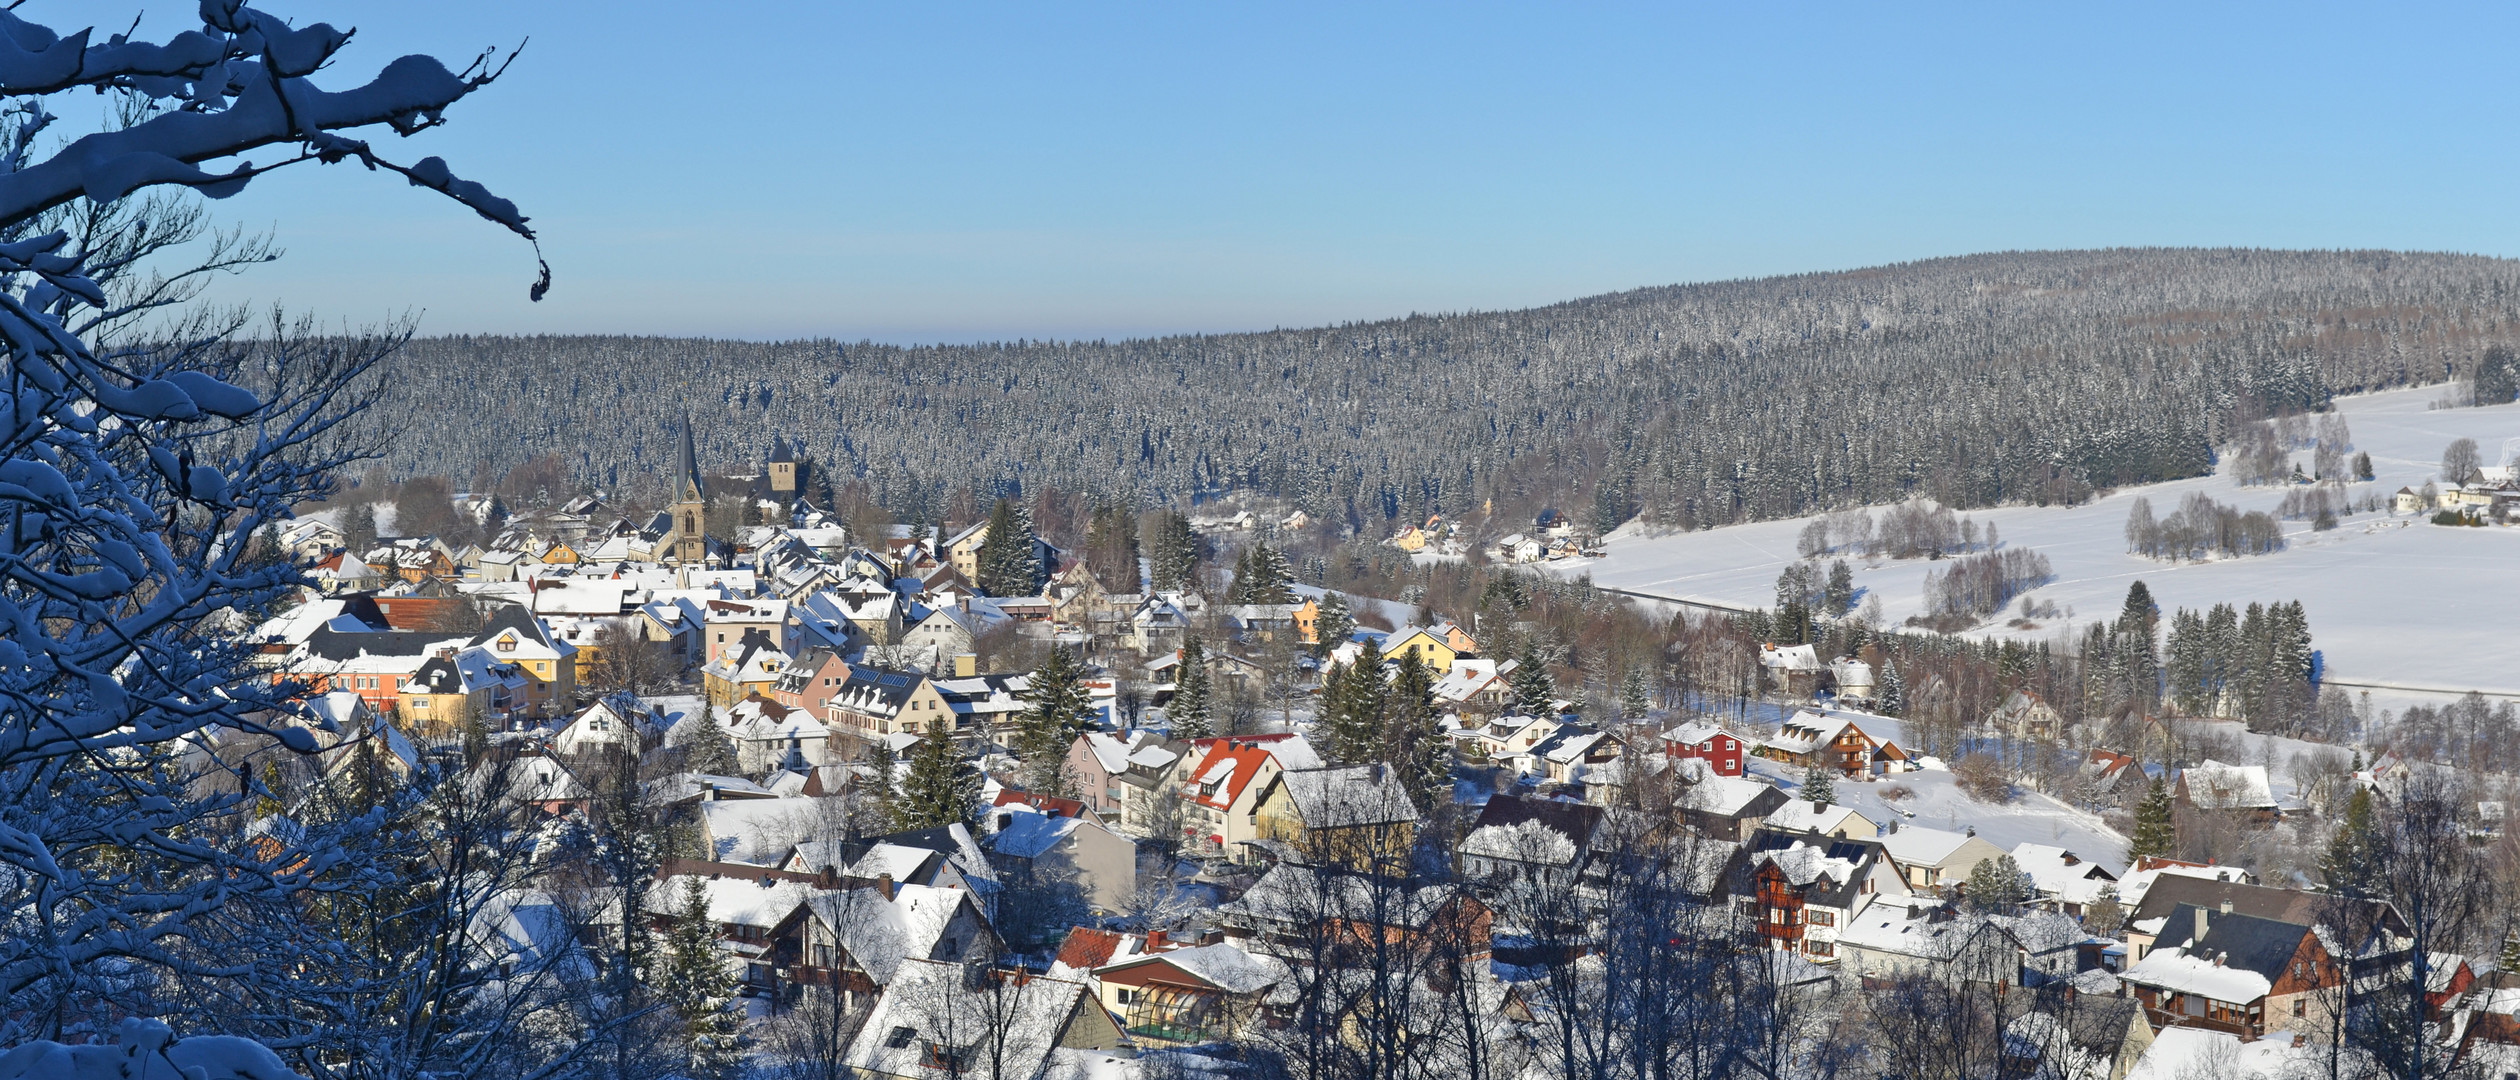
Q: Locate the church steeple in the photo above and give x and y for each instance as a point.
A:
(690, 512)
(688, 475)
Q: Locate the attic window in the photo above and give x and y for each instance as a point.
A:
(900, 1037)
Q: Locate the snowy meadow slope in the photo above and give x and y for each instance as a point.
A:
(2393, 601)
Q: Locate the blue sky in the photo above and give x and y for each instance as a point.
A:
(925, 172)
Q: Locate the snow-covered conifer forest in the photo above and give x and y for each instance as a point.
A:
(2004, 378)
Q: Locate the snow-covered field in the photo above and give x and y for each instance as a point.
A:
(2393, 601)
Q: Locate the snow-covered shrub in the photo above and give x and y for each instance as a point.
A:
(148, 448)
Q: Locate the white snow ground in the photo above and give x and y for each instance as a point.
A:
(2393, 601)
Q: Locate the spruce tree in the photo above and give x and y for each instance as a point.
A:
(1819, 784)
(1535, 693)
(1414, 734)
(1173, 555)
(1271, 576)
(1191, 711)
(2135, 651)
(1892, 691)
(2156, 827)
(1636, 693)
(358, 530)
(1839, 595)
(2351, 866)
(696, 983)
(1008, 564)
(1997, 886)
(708, 748)
(881, 790)
(1060, 714)
(1336, 623)
(943, 787)
(1355, 728)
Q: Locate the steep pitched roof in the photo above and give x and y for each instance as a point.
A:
(687, 469)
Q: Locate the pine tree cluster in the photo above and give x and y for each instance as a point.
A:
(2256, 665)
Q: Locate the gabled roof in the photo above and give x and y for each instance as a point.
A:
(1574, 822)
(1348, 796)
(2286, 905)
(1221, 966)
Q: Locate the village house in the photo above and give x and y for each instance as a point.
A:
(2240, 791)
(1436, 646)
(311, 538)
(1720, 807)
(1707, 741)
(457, 687)
(2024, 715)
(729, 622)
(984, 706)
(1826, 819)
(1935, 859)
(1891, 939)
(1797, 891)
(513, 635)
(873, 703)
(770, 735)
(1030, 834)
(810, 681)
(1221, 784)
(942, 1019)
(2244, 974)
(1793, 670)
(2375, 926)
(750, 668)
(1188, 996)
(613, 724)
(1306, 915)
(1837, 740)
(1356, 816)
(858, 939)
(1476, 684)
(1548, 843)
(1101, 763)
(2066, 882)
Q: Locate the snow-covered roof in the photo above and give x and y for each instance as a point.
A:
(1914, 846)
(1803, 815)
(2212, 785)
(1348, 796)
(2062, 874)
(736, 901)
(933, 1005)
(2176, 971)
(1028, 832)
(759, 832)
(1220, 965)
(882, 935)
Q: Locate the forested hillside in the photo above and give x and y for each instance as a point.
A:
(1977, 380)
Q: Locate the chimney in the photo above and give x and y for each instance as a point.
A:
(2226, 905)
(966, 665)
(1154, 941)
(2200, 927)
(884, 885)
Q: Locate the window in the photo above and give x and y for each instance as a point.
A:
(1820, 948)
(900, 1037)
(2301, 1007)
(1128, 996)
(421, 704)
(1823, 918)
